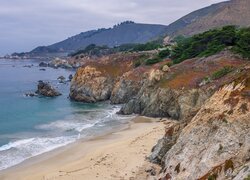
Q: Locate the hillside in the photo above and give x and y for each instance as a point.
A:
(234, 12)
(124, 33)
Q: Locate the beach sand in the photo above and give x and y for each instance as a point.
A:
(119, 155)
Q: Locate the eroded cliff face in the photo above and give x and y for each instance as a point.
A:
(180, 92)
(216, 143)
(166, 102)
(177, 92)
(127, 86)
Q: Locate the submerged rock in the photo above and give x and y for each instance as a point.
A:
(28, 66)
(45, 89)
(30, 94)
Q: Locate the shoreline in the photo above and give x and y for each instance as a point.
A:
(116, 155)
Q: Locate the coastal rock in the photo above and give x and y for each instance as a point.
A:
(70, 77)
(61, 79)
(216, 143)
(166, 102)
(45, 89)
(127, 87)
(90, 85)
(60, 63)
(28, 66)
(43, 64)
(30, 94)
(163, 145)
(111, 78)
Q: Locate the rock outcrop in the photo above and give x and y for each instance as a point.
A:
(216, 143)
(90, 85)
(45, 89)
(110, 78)
(43, 64)
(177, 92)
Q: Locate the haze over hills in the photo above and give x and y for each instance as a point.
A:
(126, 32)
(234, 12)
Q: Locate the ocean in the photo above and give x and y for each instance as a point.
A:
(30, 126)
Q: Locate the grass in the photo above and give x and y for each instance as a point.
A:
(221, 72)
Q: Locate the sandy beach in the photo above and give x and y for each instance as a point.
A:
(118, 155)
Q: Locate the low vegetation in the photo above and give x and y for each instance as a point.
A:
(153, 61)
(200, 45)
(165, 53)
(212, 42)
(94, 50)
(221, 72)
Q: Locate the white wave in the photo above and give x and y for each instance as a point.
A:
(16, 152)
(15, 144)
(81, 122)
(65, 126)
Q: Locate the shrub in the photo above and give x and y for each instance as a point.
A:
(243, 42)
(247, 178)
(222, 72)
(164, 53)
(152, 61)
(146, 47)
(137, 63)
(204, 44)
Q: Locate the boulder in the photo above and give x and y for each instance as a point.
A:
(155, 75)
(45, 89)
(165, 68)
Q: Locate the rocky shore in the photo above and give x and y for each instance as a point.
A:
(210, 139)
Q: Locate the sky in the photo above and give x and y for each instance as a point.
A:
(26, 24)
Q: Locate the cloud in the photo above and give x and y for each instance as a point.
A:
(25, 24)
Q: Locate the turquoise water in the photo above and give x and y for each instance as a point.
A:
(33, 125)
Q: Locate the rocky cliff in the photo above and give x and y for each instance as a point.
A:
(177, 92)
(181, 92)
(209, 97)
(216, 143)
(110, 77)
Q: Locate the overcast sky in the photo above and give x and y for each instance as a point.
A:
(26, 24)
